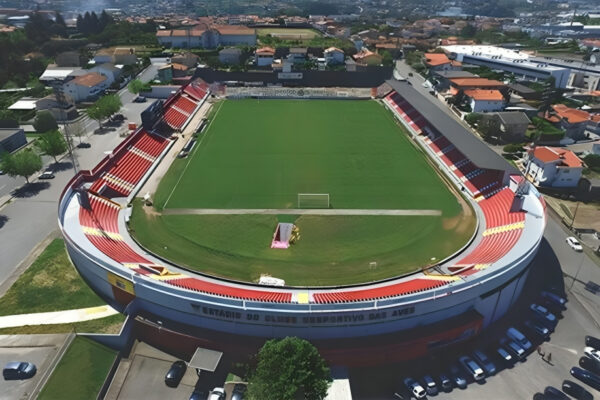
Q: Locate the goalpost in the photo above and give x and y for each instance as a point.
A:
(313, 200)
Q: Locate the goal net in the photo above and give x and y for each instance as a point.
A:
(313, 200)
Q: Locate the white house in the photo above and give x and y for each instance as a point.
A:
(207, 37)
(333, 56)
(109, 70)
(264, 56)
(553, 166)
(483, 100)
(86, 86)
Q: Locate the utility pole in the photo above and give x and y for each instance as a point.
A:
(57, 87)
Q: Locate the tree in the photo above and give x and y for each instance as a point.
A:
(135, 86)
(44, 122)
(104, 107)
(23, 163)
(77, 129)
(592, 161)
(472, 118)
(52, 144)
(288, 369)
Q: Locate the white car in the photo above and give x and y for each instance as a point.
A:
(592, 353)
(574, 243)
(415, 388)
(217, 394)
(472, 368)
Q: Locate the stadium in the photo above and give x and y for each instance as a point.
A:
(356, 220)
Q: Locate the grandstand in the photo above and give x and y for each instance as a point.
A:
(511, 216)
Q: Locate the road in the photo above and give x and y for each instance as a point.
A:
(32, 214)
(8, 184)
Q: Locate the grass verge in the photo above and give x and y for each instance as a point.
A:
(51, 283)
(81, 371)
(107, 325)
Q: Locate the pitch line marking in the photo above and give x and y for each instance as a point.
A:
(296, 211)
(192, 155)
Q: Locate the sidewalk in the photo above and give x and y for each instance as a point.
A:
(57, 317)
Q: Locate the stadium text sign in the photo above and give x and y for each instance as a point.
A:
(229, 315)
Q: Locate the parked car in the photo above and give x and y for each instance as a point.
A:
(198, 395)
(472, 368)
(575, 390)
(1, 172)
(555, 394)
(514, 349)
(537, 328)
(592, 342)
(539, 396)
(16, 370)
(139, 99)
(47, 174)
(586, 377)
(217, 393)
(574, 243)
(238, 392)
(457, 377)
(591, 365)
(445, 382)
(430, 385)
(543, 313)
(175, 374)
(485, 362)
(556, 299)
(518, 337)
(117, 117)
(592, 353)
(415, 388)
(504, 355)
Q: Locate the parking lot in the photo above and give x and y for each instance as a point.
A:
(520, 380)
(38, 349)
(145, 370)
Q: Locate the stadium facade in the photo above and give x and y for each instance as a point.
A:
(450, 302)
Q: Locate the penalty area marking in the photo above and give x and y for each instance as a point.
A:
(297, 211)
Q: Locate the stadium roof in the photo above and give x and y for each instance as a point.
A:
(470, 145)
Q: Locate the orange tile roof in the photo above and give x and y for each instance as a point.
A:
(364, 53)
(475, 82)
(550, 154)
(89, 80)
(481, 94)
(266, 51)
(332, 49)
(572, 115)
(163, 33)
(435, 59)
(180, 67)
(235, 30)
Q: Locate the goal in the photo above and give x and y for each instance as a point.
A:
(313, 200)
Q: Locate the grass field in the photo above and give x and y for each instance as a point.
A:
(51, 283)
(289, 33)
(331, 250)
(81, 371)
(261, 154)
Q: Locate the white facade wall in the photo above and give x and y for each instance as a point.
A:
(234, 40)
(80, 93)
(549, 174)
(486, 105)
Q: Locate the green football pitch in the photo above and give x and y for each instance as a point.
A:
(261, 154)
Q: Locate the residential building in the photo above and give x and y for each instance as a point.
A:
(333, 56)
(188, 59)
(86, 86)
(12, 139)
(61, 112)
(553, 167)
(571, 120)
(298, 54)
(203, 36)
(70, 59)
(116, 55)
(524, 92)
(440, 62)
(443, 78)
(264, 56)
(230, 56)
(510, 61)
(484, 100)
(109, 70)
(165, 73)
(509, 126)
(367, 57)
(457, 84)
(180, 70)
